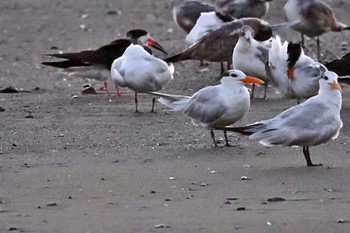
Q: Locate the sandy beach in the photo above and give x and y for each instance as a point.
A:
(88, 163)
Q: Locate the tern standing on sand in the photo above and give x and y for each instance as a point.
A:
(315, 121)
(246, 55)
(215, 106)
(141, 72)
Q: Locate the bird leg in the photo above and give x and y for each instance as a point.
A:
(153, 102)
(302, 41)
(229, 63)
(318, 48)
(226, 139)
(203, 63)
(265, 90)
(213, 137)
(252, 91)
(307, 157)
(136, 101)
(222, 68)
(105, 86)
(117, 93)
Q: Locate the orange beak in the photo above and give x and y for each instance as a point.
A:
(290, 73)
(152, 43)
(335, 85)
(249, 79)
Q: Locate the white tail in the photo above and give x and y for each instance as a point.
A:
(175, 102)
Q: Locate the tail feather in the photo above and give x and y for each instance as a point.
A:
(245, 130)
(171, 68)
(277, 68)
(175, 102)
(64, 64)
(74, 56)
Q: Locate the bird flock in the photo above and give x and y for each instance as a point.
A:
(250, 51)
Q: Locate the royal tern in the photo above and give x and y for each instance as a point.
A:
(294, 74)
(141, 72)
(215, 106)
(96, 64)
(246, 55)
(217, 46)
(207, 22)
(316, 17)
(244, 8)
(314, 122)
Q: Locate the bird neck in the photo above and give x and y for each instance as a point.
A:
(230, 82)
(333, 96)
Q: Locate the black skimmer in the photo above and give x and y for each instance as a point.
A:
(340, 66)
(96, 64)
(294, 74)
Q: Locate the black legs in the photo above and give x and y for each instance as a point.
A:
(307, 157)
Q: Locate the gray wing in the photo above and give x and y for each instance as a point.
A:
(204, 106)
(118, 72)
(162, 71)
(305, 124)
(153, 76)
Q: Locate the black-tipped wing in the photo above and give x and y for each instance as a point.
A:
(104, 56)
(245, 130)
(340, 66)
(64, 64)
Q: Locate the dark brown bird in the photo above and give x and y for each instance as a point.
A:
(244, 8)
(217, 46)
(315, 16)
(340, 66)
(185, 13)
(96, 64)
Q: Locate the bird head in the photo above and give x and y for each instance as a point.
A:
(142, 37)
(247, 32)
(329, 80)
(237, 75)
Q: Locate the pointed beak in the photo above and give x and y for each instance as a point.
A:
(249, 79)
(152, 43)
(335, 85)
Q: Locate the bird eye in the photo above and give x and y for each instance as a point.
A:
(234, 75)
(325, 78)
